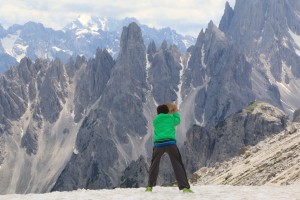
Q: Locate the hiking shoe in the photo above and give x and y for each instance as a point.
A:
(148, 189)
(187, 190)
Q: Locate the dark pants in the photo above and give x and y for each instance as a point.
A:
(177, 164)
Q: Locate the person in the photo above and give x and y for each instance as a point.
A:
(165, 142)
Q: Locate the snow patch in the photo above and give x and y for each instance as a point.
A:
(104, 23)
(285, 42)
(19, 51)
(297, 14)
(9, 41)
(57, 49)
(202, 57)
(111, 52)
(75, 151)
(290, 93)
(81, 32)
(84, 19)
(186, 43)
(212, 192)
(258, 41)
(296, 39)
(181, 73)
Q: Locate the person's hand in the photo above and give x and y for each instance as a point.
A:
(172, 108)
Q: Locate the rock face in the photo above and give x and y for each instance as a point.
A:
(135, 175)
(114, 125)
(164, 72)
(232, 137)
(268, 34)
(217, 78)
(229, 138)
(40, 118)
(245, 128)
(296, 117)
(275, 160)
(93, 81)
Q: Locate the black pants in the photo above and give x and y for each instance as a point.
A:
(177, 164)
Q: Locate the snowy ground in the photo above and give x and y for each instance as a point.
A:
(291, 192)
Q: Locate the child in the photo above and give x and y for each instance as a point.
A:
(165, 141)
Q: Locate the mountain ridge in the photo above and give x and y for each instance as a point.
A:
(80, 37)
(274, 160)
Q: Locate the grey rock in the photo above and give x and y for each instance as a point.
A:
(246, 127)
(227, 17)
(30, 141)
(91, 84)
(53, 91)
(263, 31)
(135, 175)
(151, 48)
(97, 154)
(220, 76)
(296, 116)
(164, 73)
(2, 30)
(117, 116)
(6, 61)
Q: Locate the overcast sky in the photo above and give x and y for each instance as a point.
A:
(185, 16)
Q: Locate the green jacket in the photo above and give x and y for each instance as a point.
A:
(164, 126)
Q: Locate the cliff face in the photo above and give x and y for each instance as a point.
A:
(274, 160)
(247, 127)
(230, 138)
(267, 32)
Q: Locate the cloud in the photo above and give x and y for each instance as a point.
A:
(185, 16)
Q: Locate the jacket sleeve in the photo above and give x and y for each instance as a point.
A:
(176, 118)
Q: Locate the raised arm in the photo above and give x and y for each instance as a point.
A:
(176, 118)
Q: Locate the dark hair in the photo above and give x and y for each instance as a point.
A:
(162, 109)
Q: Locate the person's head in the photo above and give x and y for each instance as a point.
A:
(162, 109)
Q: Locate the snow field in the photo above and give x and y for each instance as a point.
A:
(208, 192)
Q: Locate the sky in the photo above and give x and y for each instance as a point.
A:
(187, 17)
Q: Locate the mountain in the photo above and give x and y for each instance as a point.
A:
(205, 147)
(247, 127)
(80, 37)
(275, 160)
(221, 74)
(268, 33)
(86, 122)
(217, 80)
(113, 135)
(92, 117)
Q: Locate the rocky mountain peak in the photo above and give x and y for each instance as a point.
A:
(213, 31)
(151, 47)
(86, 21)
(227, 17)
(212, 36)
(164, 45)
(131, 38)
